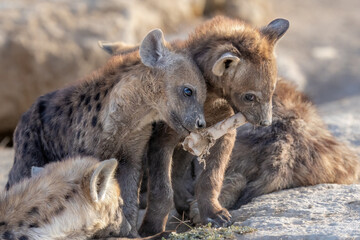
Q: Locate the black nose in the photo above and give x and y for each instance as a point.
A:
(200, 123)
(264, 123)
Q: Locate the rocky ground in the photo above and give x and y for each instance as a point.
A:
(321, 52)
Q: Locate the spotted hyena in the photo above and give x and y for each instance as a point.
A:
(109, 114)
(239, 67)
(78, 198)
(295, 150)
(72, 199)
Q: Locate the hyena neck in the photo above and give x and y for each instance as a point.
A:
(132, 105)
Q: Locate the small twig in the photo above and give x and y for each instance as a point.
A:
(181, 222)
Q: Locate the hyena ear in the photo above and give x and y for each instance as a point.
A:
(36, 171)
(226, 61)
(276, 29)
(115, 47)
(100, 179)
(153, 50)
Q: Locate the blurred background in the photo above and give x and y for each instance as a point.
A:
(45, 45)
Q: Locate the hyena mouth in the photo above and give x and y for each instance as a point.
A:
(178, 124)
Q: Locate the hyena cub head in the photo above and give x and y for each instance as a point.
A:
(180, 89)
(238, 62)
(99, 192)
(73, 199)
(177, 84)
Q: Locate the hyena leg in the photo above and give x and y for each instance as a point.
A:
(272, 178)
(28, 153)
(209, 183)
(183, 180)
(233, 185)
(128, 176)
(160, 193)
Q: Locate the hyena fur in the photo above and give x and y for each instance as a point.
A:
(110, 114)
(239, 67)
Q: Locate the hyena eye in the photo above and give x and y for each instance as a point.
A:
(249, 97)
(187, 92)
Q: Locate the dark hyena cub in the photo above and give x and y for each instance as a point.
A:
(109, 115)
(295, 150)
(239, 67)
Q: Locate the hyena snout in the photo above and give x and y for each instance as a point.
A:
(266, 115)
(265, 123)
(200, 122)
(195, 122)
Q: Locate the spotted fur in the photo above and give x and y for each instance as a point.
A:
(109, 114)
(235, 59)
(57, 204)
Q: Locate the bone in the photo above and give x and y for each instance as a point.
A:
(199, 143)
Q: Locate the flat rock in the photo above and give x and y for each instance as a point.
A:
(326, 211)
(342, 118)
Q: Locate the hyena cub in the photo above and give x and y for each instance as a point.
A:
(72, 199)
(109, 115)
(239, 67)
(295, 150)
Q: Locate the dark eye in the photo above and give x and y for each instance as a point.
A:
(249, 97)
(187, 92)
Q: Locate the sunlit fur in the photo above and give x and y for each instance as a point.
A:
(56, 204)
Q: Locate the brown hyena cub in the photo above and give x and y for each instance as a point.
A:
(109, 115)
(239, 67)
(295, 150)
(72, 199)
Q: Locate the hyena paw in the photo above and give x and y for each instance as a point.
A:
(221, 218)
(194, 213)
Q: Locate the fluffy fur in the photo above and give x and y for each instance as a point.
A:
(296, 150)
(56, 204)
(235, 59)
(109, 114)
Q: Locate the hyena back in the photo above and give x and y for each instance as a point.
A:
(109, 114)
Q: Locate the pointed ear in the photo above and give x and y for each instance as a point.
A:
(226, 61)
(276, 29)
(36, 171)
(152, 49)
(115, 47)
(100, 179)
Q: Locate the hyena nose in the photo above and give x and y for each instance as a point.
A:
(200, 123)
(265, 123)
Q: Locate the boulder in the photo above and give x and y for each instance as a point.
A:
(326, 211)
(45, 45)
(342, 117)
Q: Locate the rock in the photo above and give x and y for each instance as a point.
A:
(45, 45)
(342, 118)
(326, 211)
(255, 12)
(289, 69)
